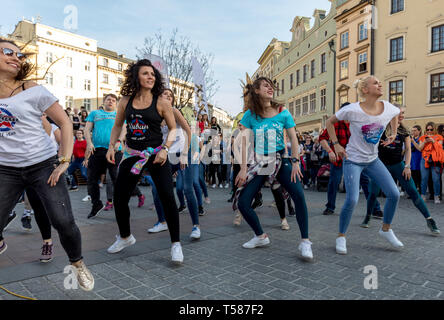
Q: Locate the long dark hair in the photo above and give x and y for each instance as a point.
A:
(252, 99)
(26, 68)
(131, 85)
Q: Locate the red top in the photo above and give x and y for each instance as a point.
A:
(201, 126)
(79, 149)
(342, 130)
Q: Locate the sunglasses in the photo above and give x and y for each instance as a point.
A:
(429, 130)
(9, 52)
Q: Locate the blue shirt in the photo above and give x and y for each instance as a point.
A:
(416, 157)
(268, 132)
(103, 123)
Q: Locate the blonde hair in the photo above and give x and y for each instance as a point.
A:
(360, 84)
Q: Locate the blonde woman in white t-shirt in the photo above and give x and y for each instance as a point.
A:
(368, 120)
(28, 157)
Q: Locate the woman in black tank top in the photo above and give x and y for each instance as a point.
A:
(143, 112)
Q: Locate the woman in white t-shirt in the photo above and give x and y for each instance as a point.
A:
(368, 120)
(28, 157)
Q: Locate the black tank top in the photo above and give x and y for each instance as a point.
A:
(143, 126)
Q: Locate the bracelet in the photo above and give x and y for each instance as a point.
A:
(63, 159)
(164, 147)
(331, 151)
(335, 143)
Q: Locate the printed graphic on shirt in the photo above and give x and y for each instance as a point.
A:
(137, 126)
(7, 120)
(372, 132)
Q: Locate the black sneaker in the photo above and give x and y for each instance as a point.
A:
(378, 214)
(365, 223)
(182, 209)
(433, 227)
(26, 223)
(257, 204)
(328, 212)
(96, 209)
(201, 211)
(46, 253)
(74, 189)
(11, 218)
(291, 212)
(230, 200)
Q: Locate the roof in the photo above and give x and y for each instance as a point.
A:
(114, 55)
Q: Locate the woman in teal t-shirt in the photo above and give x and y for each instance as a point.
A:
(268, 120)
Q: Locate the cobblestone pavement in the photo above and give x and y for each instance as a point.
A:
(218, 268)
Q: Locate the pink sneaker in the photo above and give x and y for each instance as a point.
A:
(141, 201)
(109, 206)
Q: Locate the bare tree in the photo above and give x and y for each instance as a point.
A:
(177, 52)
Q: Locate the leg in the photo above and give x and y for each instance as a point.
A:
(202, 183)
(436, 177)
(180, 187)
(156, 199)
(280, 202)
(373, 191)
(196, 185)
(96, 168)
(190, 196)
(40, 214)
(333, 185)
(424, 177)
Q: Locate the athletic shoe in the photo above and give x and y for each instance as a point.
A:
(257, 204)
(141, 201)
(227, 185)
(378, 214)
(305, 187)
(121, 244)
(256, 242)
(433, 227)
(237, 218)
(230, 200)
(285, 225)
(11, 218)
(152, 207)
(341, 245)
(328, 212)
(87, 198)
(182, 209)
(305, 249)
(391, 238)
(365, 223)
(201, 211)
(96, 209)
(207, 200)
(291, 212)
(158, 227)
(108, 206)
(27, 213)
(221, 186)
(176, 253)
(84, 277)
(437, 201)
(26, 223)
(3, 247)
(402, 194)
(213, 186)
(195, 233)
(74, 189)
(46, 253)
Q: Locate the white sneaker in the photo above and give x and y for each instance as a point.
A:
(221, 186)
(305, 249)
(86, 199)
(437, 201)
(305, 187)
(285, 225)
(402, 194)
(176, 253)
(121, 244)
(195, 233)
(237, 218)
(341, 245)
(390, 237)
(158, 227)
(226, 186)
(207, 200)
(256, 242)
(213, 186)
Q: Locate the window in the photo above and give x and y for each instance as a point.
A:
(438, 38)
(344, 40)
(69, 102)
(120, 67)
(312, 68)
(120, 83)
(87, 103)
(313, 103)
(363, 31)
(69, 62)
(283, 90)
(49, 78)
(69, 82)
(291, 81)
(105, 78)
(88, 66)
(298, 108)
(305, 73)
(291, 108)
(323, 99)
(343, 97)
(362, 62)
(298, 78)
(396, 49)
(277, 89)
(397, 6)
(344, 70)
(437, 86)
(49, 57)
(323, 63)
(305, 105)
(396, 91)
(105, 62)
(87, 85)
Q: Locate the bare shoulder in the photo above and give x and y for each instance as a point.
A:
(29, 84)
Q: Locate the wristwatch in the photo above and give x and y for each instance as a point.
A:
(407, 166)
(335, 143)
(164, 147)
(294, 160)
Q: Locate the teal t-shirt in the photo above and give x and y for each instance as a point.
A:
(103, 123)
(268, 132)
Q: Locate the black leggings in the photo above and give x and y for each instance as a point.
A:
(280, 202)
(40, 214)
(125, 183)
(215, 169)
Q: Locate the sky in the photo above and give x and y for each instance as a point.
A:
(236, 32)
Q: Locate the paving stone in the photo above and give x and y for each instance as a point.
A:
(260, 277)
(143, 292)
(257, 286)
(310, 284)
(174, 292)
(126, 283)
(112, 293)
(279, 294)
(221, 296)
(201, 289)
(285, 285)
(230, 288)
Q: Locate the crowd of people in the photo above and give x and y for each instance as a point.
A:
(143, 137)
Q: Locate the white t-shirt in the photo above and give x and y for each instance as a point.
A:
(23, 140)
(365, 130)
(179, 143)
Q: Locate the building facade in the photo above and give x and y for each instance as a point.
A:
(409, 59)
(269, 57)
(304, 73)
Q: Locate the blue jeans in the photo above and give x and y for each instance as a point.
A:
(436, 177)
(293, 188)
(333, 186)
(408, 185)
(202, 183)
(381, 176)
(157, 203)
(77, 164)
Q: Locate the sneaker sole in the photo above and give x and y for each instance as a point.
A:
(45, 260)
(4, 248)
(122, 248)
(73, 190)
(258, 246)
(177, 263)
(194, 238)
(157, 231)
(365, 226)
(26, 229)
(342, 253)
(306, 259)
(97, 213)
